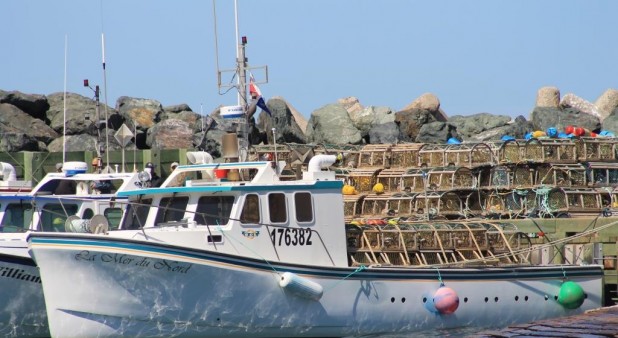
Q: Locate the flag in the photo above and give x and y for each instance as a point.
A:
(254, 89)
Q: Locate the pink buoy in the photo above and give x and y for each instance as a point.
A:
(445, 300)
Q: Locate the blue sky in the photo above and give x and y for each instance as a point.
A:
(475, 56)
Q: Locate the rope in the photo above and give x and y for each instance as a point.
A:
(357, 270)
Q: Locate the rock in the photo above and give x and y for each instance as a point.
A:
(543, 118)
(517, 128)
(301, 121)
(410, 122)
(436, 132)
(384, 133)
(573, 101)
(32, 104)
(286, 128)
(14, 141)
(81, 114)
(81, 142)
(429, 102)
(469, 127)
(370, 116)
(143, 113)
(177, 108)
(170, 134)
(14, 121)
(351, 104)
(331, 124)
(548, 97)
(607, 103)
(610, 123)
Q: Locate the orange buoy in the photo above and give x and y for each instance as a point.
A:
(569, 130)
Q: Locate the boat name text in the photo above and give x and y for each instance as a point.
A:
(143, 262)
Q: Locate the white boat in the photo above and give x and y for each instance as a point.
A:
(22, 310)
(251, 255)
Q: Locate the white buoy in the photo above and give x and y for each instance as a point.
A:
(301, 287)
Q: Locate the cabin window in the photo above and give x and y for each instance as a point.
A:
(277, 208)
(304, 207)
(88, 213)
(251, 209)
(17, 217)
(54, 215)
(172, 209)
(613, 176)
(113, 216)
(136, 214)
(213, 210)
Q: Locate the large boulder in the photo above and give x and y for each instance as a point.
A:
(14, 121)
(282, 119)
(517, 128)
(13, 141)
(410, 122)
(436, 132)
(170, 134)
(573, 101)
(607, 103)
(469, 127)
(610, 123)
(543, 118)
(384, 133)
(81, 116)
(81, 142)
(138, 112)
(332, 124)
(32, 104)
(180, 112)
(548, 97)
(429, 102)
(368, 117)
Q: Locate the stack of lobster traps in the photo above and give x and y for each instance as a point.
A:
(544, 177)
(422, 243)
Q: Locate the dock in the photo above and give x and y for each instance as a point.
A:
(602, 322)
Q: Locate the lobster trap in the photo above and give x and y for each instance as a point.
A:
(545, 150)
(405, 155)
(596, 149)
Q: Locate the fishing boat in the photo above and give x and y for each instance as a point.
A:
(62, 201)
(239, 249)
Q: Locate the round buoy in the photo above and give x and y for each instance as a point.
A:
(378, 188)
(445, 300)
(571, 295)
(569, 129)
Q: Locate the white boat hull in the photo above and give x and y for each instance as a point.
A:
(23, 311)
(136, 288)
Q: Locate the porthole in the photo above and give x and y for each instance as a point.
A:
(516, 298)
(465, 299)
(486, 299)
(546, 297)
(403, 300)
(496, 299)
(424, 299)
(392, 299)
(526, 298)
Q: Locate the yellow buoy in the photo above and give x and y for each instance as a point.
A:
(378, 188)
(348, 190)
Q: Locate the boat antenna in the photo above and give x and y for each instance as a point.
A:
(106, 105)
(64, 117)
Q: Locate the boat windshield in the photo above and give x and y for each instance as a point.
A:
(17, 217)
(54, 215)
(136, 214)
(213, 210)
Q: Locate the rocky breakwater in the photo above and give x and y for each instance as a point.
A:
(34, 122)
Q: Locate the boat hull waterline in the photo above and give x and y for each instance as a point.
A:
(120, 287)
